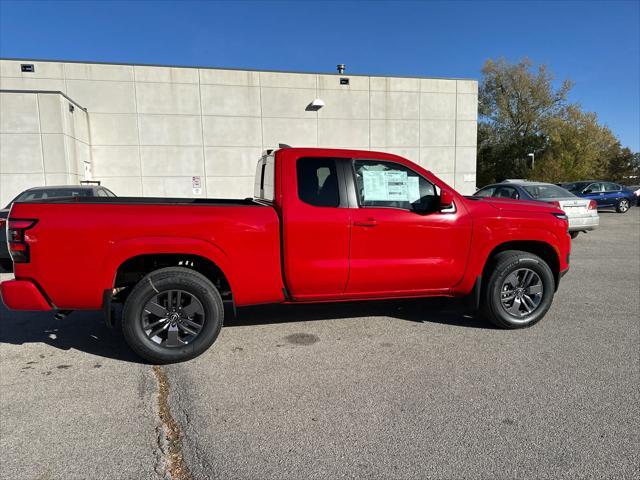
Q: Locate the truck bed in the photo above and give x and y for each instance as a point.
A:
(79, 242)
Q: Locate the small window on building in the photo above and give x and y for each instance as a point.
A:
(318, 182)
(344, 81)
(27, 68)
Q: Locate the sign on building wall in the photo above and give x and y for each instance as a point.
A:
(196, 184)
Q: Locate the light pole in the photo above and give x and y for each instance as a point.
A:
(533, 160)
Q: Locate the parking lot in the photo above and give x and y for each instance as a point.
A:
(417, 389)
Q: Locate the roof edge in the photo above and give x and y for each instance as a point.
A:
(301, 72)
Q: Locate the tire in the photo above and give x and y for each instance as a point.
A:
(573, 234)
(506, 271)
(179, 301)
(623, 205)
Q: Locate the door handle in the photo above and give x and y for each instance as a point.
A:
(369, 222)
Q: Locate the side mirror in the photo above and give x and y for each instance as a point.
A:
(446, 200)
(587, 190)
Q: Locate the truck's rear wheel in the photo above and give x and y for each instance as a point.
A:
(519, 290)
(172, 314)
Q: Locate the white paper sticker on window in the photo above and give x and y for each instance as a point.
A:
(385, 186)
(414, 189)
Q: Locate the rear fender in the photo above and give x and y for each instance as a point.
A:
(122, 251)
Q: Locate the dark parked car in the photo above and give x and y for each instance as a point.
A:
(39, 193)
(606, 194)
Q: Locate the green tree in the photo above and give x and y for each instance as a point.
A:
(521, 112)
(624, 167)
(515, 103)
(577, 147)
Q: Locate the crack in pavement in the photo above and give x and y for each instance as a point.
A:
(170, 461)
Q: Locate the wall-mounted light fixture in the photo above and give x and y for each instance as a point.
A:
(316, 105)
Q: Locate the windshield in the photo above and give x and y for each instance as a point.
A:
(547, 191)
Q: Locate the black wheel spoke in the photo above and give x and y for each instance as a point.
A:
(191, 323)
(514, 309)
(192, 309)
(173, 340)
(156, 323)
(158, 330)
(184, 328)
(534, 289)
(155, 309)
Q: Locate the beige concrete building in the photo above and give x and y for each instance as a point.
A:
(191, 131)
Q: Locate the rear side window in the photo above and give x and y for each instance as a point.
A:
(612, 187)
(318, 182)
(388, 184)
(264, 186)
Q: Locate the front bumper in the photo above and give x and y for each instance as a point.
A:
(23, 295)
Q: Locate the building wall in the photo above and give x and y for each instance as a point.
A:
(152, 129)
(41, 142)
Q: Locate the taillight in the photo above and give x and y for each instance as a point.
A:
(593, 205)
(18, 246)
(555, 204)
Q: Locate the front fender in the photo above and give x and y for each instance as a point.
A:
(487, 238)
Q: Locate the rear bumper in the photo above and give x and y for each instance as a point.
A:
(23, 295)
(578, 224)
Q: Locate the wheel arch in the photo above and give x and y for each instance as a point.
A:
(539, 248)
(132, 259)
(135, 268)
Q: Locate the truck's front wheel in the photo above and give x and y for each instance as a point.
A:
(519, 290)
(172, 314)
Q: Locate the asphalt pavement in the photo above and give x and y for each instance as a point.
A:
(417, 389)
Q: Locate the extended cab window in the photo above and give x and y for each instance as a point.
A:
(318, 182)
(388, 184)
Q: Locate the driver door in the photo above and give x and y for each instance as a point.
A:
(394, 250)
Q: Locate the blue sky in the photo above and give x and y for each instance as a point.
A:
(596, 44)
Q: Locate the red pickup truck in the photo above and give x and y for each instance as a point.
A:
(325, 225)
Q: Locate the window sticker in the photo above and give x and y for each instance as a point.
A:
(386, 185)
(413, 189)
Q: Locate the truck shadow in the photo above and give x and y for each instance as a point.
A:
(85, 330)
(82, 330)
(436, 310)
